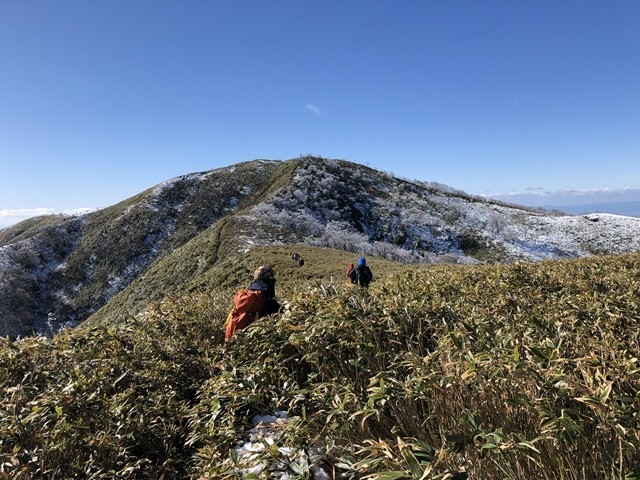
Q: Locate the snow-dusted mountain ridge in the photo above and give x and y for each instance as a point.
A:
(61, 270)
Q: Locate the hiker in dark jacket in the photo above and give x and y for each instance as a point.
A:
(361, 275)
(264, 279)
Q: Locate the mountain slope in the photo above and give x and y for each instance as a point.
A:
(175, 274)
(520, 371)
(57, 271)
(64, 271)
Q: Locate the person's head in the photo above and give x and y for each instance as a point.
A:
(264, 273)
(362, 262)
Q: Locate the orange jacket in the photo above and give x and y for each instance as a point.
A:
(247, 305)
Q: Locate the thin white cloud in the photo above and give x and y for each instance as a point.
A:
(516, 193)
(312, 108)
(541, 192)
(10, 217)
(600, 191)
(26, 212)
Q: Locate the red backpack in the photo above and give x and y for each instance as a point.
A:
(247, 305)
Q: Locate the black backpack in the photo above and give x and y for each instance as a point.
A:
(363, 275)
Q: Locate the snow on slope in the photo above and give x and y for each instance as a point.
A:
(360, 209)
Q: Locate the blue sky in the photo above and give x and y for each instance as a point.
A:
(100, 100)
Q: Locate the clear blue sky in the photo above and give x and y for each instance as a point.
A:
(102, 99)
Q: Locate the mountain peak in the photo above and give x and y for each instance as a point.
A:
(60, 271)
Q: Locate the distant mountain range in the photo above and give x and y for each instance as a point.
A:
(57, 271)
(624, 201)
(629, 209)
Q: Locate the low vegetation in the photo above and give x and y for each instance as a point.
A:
(57, 271)
(518, 371)
(195, 268)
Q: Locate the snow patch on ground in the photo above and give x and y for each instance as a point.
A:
(282, 463)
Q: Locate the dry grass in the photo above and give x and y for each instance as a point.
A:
(485, 372)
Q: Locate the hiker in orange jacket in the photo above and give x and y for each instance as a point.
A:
(249, 304)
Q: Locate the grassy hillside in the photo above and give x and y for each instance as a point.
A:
(180, 273)
(485, 372)
(59, 271)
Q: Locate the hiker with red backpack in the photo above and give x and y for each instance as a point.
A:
(361, 274)
(256, 301)
(350, 269)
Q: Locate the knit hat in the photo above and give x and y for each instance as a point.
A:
(361, 261)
